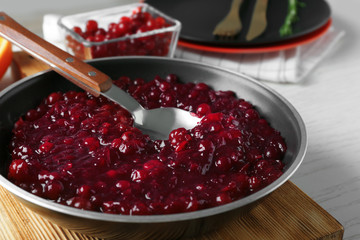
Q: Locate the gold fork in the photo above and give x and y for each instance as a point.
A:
(231, 24)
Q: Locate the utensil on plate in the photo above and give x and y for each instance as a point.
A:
(258, 20)
(231, 24)
(158, 122)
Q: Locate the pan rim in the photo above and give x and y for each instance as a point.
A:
(62, 209)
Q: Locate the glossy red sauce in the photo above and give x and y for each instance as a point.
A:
(82, 151)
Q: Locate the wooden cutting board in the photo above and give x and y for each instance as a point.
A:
(287, 213)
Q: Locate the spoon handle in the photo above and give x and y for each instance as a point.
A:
(70, 67)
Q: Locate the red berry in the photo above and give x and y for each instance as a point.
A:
(254, 183)
(77, 30)
(53, 98)
(32, 115)
(116, 143)
(203, 109)
(46, 147)
(171, 78)
(84, 191)
(223, 198)
(123, 185)
(139, 175)
(139, 208)
(223, 163)
(160, 22)
(80, 203)
(53, 190)
(178, 136)
(91, 143)
(251, 114)
(19, 170)
(91, 25)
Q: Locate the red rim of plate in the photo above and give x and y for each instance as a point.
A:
(262, 49)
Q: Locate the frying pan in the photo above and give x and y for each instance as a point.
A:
(28, 93)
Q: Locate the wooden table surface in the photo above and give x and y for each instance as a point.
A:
(287, 214)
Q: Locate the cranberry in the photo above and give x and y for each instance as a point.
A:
(32, 115)
(159, 21)
(223, 163)
(46, 147)
(153, 164)
(254, 183)
(36, 189)
(53, 98)
(139, 208)
(203, 109)
(84, 191)
(22, 151)
(171, 78)
(213, 117)
(251, 114)
(244, 105)
(115, 207)
(53, 190)
(116, 142)
(223, 198)
(139, 175)
(79, 202)
(45, 176)
(91, 143)
(19, 170)
(168, 99)
(178, 136)
(112, 173)
(100, 32)
(125, 19)
(123, 185)
(84, 152)
(261, 165)
(91, 26)
(164, 86)
(77, 30)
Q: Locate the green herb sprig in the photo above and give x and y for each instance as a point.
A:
(291, 17)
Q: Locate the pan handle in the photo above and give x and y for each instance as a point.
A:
(72, 68)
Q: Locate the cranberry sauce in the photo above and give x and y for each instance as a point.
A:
(82, 151)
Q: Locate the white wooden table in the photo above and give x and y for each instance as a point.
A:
(328, 100)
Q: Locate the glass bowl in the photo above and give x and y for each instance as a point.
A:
(128, 30)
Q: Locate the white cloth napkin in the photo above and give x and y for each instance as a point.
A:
(285, 66)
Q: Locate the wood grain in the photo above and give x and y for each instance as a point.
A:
(287, 213)
(24, 65)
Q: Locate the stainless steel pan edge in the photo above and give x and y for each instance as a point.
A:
(281, 115)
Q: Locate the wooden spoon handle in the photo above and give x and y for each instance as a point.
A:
(72, 68)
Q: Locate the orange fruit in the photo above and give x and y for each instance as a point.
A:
(5, 56)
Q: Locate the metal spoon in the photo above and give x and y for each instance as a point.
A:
(157, 123)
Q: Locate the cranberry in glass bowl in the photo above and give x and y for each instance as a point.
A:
(18, 99)
(129, 30)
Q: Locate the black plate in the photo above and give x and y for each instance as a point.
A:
(199, 17)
